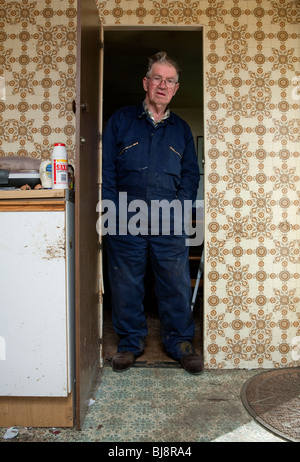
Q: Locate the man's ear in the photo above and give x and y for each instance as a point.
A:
(175, 89)
(145, 83)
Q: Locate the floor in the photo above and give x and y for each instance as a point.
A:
(161, 404)
(170, 405)
(157, 401)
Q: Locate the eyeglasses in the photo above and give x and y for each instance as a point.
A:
(170, 83)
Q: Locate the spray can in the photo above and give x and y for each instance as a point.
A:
(60, 167)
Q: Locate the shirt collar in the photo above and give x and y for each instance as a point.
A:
(150, 114)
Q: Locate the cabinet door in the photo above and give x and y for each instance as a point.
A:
(34, 314)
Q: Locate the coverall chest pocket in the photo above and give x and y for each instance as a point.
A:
(171, 161)
(129, 156)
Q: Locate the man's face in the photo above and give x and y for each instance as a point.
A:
(160, 94)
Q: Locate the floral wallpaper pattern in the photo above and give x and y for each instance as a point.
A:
(37, 70)
(252, 139)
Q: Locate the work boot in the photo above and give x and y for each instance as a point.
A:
(123, 361)
(192, 363)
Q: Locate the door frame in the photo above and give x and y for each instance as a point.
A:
(141, 28)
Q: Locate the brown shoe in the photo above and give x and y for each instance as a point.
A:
(122, 361)
(192, 363)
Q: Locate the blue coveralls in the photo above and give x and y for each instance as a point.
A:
(149, 162)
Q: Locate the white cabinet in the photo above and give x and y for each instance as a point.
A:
(37, 298)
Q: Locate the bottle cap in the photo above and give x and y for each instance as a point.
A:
(59, 144)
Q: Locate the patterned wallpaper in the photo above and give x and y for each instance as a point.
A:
(252, 133)
(252, 77)
(37, 73)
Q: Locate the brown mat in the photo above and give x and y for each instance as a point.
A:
(273, 400)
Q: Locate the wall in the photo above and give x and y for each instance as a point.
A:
(37, 66)
(252, 76)
(252, 155)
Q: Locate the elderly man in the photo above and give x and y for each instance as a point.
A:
(149, 154)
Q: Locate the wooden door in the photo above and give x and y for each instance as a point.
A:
(86, 199)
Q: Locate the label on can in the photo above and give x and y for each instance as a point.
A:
(49, 170)
(46, 174)
(60, 167)
(60, 172)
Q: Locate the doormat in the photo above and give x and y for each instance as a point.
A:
(139, 363)
(273, 400)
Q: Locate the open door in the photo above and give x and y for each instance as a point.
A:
(127, 49)
(87, 181)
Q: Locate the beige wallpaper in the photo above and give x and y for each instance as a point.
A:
(252, 97)
(37, 70)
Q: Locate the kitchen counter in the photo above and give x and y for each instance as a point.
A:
(37, 199)
(36, 194)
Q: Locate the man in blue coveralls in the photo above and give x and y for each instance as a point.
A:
(149, 154)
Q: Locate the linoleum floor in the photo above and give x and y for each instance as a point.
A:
(157, 401)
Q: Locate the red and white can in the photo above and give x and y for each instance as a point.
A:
(60, 167)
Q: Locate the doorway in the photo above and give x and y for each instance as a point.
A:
(126, 52)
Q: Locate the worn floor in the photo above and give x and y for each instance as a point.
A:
(157, 401)
(169, 405)
(147, 404)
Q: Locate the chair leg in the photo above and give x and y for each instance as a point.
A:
(196, 289)
(199, 273)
